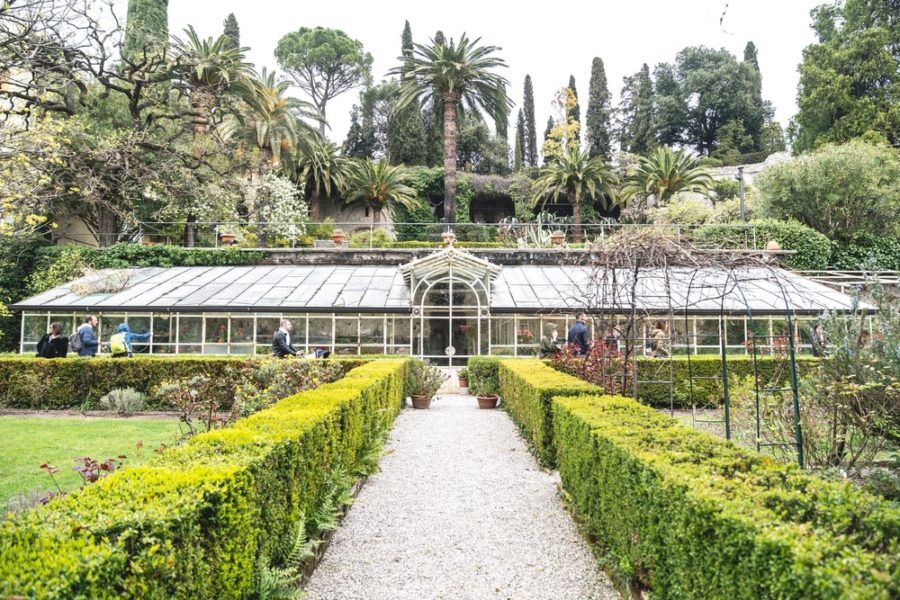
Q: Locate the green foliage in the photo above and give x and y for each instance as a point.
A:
(811, 248)
(146, 29)
(527, 387)
(18, 259)
(574, 113)
(597, 118)
(380, 186)
(840, 191)
(215, 508)
(423, 379)
(378, 238)
(865, 251)
(635, 130)
(529, 141)
(725, 189)
(519, 150)
(664, 172)
(484, 374)
(324, 63)
(682, 211)
(74, 383)
(232, 32)
(850, 79)
(689, 515)
(55, 265)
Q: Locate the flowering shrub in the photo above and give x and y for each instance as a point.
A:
(604, 366)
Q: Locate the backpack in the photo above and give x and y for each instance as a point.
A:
(75, 341)
(117, 344)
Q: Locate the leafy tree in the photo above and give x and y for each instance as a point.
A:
(232, 31)
(324, 63)
(406, 136)
(458, 75)
(577, 177)
(478, 151)
(548, 130)
(840, 191)
(380, 186)
(146, 28)
(501, 124)
(665, 172)
(574, 114)
(433, 117)
(519, 153)
(530, 139)
(358, 143)
(634, 117)
(850, 79)
(720, 90)
(322, 172)
(597, 118)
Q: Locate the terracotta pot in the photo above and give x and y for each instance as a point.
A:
(420, 401)
(463, 382)
(338, 237)
(557, 238)
(487, 400)
(773, 246)
(227, 239)
(449, 237)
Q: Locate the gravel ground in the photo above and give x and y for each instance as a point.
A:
(461, 510)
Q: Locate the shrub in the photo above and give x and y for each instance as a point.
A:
(689, 515)
(423, 380)
(866, 252)
(527, 387)
(27, 382)
(379, 238)
(811, 248)
(126, 401)
(202, 520)
(484, 373)
(681, 210)
(838, 190)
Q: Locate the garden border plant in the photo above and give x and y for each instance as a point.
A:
(219, 508)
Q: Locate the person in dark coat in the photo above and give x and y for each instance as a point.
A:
(281, 342)
(89, 344)
(54, 344)
(579, 335)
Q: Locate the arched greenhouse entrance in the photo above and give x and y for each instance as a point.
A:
(450, 296)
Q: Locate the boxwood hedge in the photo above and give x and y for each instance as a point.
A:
(75, 383)
(526, 387)
(199, 520)
(689, 515)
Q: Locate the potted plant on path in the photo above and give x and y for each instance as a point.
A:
(486, 393)
(422, 383)
(463, 375)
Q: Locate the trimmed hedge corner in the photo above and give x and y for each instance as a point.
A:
(199, 520)
(484, 372)
(526, 388)
(689, 515)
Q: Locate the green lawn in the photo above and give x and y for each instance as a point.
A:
(28, 442)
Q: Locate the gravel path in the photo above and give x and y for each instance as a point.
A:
(461, 510)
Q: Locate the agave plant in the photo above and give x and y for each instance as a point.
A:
(380, 186)
(665, 172)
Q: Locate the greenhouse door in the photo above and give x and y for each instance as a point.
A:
(451, 324)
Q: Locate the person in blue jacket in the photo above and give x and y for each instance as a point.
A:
(120, 342)
(579, 334)
(84, 340)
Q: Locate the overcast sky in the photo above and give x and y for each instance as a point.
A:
(548, 40)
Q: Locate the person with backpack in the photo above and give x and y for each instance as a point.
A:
(54, 344)
(120, 342)
(83, 340)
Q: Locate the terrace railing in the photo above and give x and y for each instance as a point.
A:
(509, 234)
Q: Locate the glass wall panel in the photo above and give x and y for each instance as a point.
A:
(398, 330)
(215, 335)
(163, 329)
(503, 331)
(346, 331)
(190, 334)
(107, 326)
(140, 324)
(68, 322)
(241, 330)
(707, 332)
(371, 331)
(265, 331)
(34, 328)
(320, 331)
(528, 333)
(734, 331)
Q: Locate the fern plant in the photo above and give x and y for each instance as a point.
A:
(283, 582)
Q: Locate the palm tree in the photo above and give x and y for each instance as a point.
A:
(380, 185)
(321, 169)
(665, 172)
(455, 76)
(273, 123)
(576, 176)
(209, 69)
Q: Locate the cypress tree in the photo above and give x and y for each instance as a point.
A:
(756, 113)
(232, 32)
(530, 140)
(407, 140)
(146, 29)
(636, 130)
(598, 113)
(575, 112)
(519, 157)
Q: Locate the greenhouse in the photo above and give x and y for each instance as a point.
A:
(444, 307)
